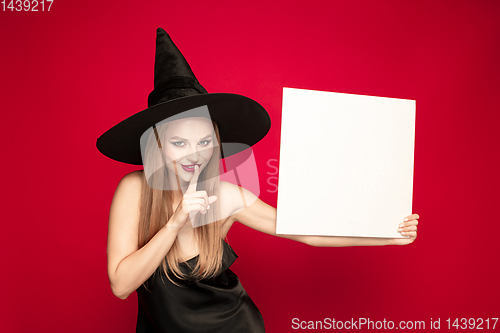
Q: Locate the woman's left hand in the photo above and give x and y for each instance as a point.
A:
(407, 228)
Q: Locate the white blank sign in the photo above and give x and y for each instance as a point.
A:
(346, 164)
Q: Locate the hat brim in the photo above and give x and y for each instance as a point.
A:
(240, 120)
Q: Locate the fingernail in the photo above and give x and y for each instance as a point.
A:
(406, 219)
(400, 229)
(208, 207)
(403, 233)
(204, 212)
(400, 225)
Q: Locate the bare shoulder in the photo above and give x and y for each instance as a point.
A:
(126, 199)
(234, 198)
(124, 218)
(231, 189)
(132, 179)
(227, 189)
(226, 192)
(129, 185)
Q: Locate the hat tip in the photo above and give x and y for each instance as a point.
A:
(160, 30)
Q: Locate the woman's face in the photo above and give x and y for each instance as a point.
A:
(188, 142)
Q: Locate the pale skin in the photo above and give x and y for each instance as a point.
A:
(191, 142)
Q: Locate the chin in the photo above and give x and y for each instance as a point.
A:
(187, 176)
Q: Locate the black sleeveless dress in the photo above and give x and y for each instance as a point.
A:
(217, 305)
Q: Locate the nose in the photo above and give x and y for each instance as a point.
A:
(193, 155)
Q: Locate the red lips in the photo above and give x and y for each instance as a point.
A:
(189, 167)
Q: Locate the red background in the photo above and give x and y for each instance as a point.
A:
(70, 74)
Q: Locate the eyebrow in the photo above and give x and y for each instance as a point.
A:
(179, 138)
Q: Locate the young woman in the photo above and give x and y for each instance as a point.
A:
(168, 222)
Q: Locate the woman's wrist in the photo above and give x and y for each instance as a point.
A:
(173, 226)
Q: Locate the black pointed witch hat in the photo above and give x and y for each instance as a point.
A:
(176, 89)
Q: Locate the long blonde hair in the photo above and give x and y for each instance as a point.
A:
(156, 209)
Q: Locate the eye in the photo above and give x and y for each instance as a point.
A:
(205, 142)
(178, 143)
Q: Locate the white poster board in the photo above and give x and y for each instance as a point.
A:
(346, 164)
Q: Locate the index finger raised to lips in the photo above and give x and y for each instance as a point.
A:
(194, 181)
(203, 195)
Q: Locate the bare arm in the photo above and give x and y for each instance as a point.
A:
(128, 266)
(262, 217)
